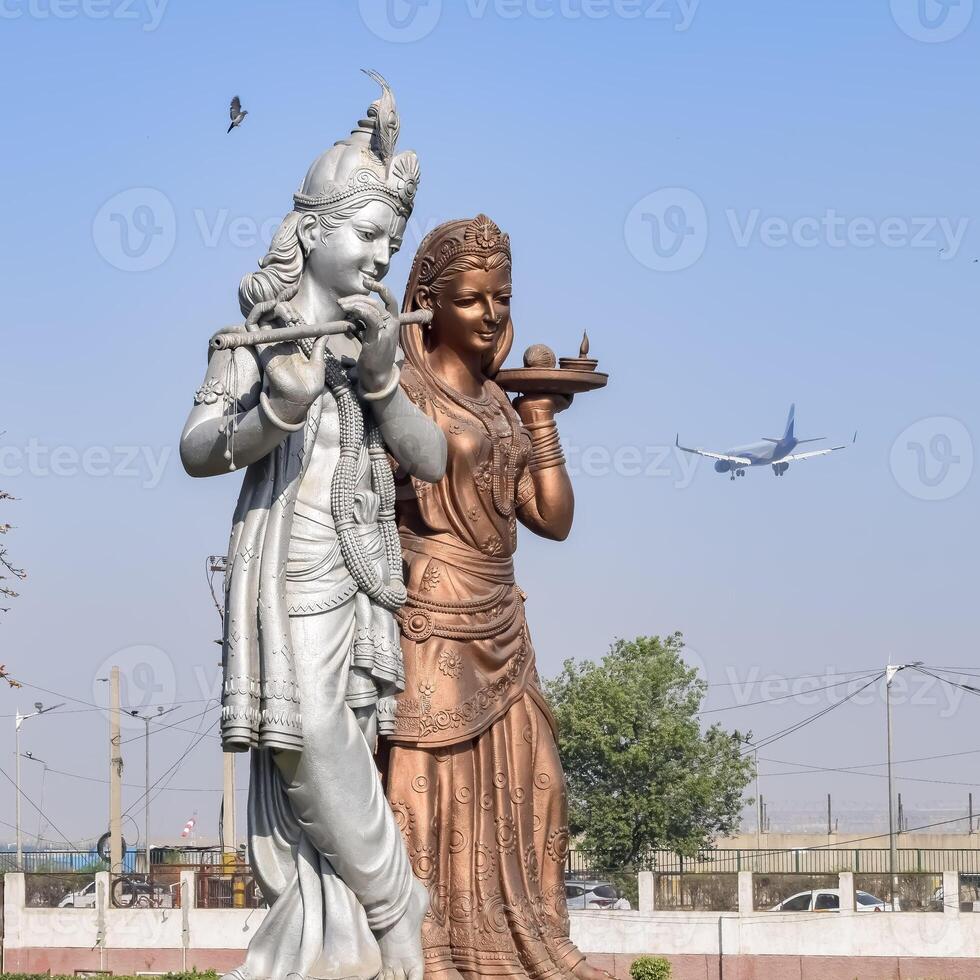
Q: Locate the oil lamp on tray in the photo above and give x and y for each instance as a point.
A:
(541, 376)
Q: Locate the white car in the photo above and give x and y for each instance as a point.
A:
(84, 899)
(580, 894)
(126, 892)
(828, 900)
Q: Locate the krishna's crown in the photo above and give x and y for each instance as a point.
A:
(480, 237)
(364, 166)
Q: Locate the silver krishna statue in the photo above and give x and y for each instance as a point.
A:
(311, 652)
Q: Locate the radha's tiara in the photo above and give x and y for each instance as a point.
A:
(480, 237)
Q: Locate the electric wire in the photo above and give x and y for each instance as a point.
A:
(792, 729)
(171, 769)
(789, 697)
(51, 823)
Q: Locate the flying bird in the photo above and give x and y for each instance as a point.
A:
(238, 114)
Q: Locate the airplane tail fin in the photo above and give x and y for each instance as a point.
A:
(788, 431)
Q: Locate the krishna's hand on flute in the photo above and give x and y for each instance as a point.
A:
(292, 381)
(378, 332)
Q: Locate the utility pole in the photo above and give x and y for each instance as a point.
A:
(758, 806)
(146, 794)
(971, 812)
(890, 672)
(218, 565)
(115, 777)
(228, 830)
(19, 720)
(830, 817)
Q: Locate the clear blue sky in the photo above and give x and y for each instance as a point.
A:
(777, 119)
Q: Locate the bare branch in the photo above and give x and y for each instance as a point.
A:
(6, 563)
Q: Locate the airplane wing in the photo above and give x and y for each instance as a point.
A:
(737, 460)
(798, 457)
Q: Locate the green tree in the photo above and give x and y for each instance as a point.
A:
(642, 773)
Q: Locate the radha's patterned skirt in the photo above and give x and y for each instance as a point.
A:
(485, 823)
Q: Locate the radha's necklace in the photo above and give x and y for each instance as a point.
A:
(486, 409)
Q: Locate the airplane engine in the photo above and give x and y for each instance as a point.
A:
(780, 468)
(722, 466)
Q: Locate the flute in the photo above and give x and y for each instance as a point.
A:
(230, 340)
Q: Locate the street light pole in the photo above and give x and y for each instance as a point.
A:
(146, 719)
(890, 672)
(19, 720)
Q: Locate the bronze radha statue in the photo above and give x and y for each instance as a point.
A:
(472, 770)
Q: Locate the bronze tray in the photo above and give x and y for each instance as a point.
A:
(549, 381)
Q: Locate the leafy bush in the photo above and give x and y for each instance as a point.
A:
(650, 968)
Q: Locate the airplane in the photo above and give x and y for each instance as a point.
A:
(777, 453)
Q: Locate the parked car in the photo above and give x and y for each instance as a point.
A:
(828, 900)
(82, 899)
(593, 895)
(127, 892)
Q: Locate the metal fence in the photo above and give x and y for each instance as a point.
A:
(815, 860)
(914, 892)
(78, 861)
(969, 893)
(696, 893)
(770, 891)
(700, 891)
(237, 890)
(159, 890)
(52, 890)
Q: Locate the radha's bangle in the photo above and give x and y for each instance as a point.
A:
(390, 386)
(557, 458)
(546, 448)
(275, 420)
